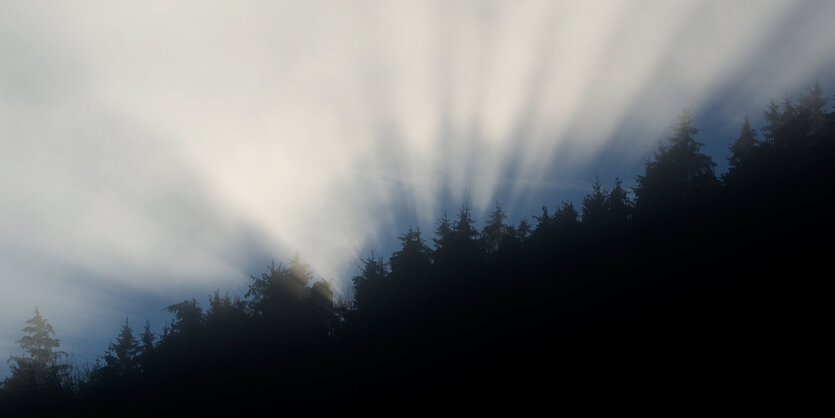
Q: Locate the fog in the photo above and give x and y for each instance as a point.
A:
(152, 151)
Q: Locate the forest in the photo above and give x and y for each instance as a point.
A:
(692, 286)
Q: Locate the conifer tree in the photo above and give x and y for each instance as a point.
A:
(813, 106)
(41, 372)
(677, 174)
(122, 358)
(464, 227)
(413, 260)
(494, 231)
(443, 233)
(743, 148)
(566, 215)
(370, 285)
(773, 121)
(595, 207)
(619, 205)
(146, 339)
(523, 230)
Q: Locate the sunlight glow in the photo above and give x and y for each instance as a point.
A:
(150, 145)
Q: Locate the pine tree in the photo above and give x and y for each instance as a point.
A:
(40, 374)
(189, 319)
(122, 358)
(773, 121)
(788, 126)
(413, 260)
(677, 174)
(494, 231)
(595, 207)
(743, 148)
(146, 347)
(790, 111)
(225, 312)
(146, 339)
(619, 205)
(565, 216)
(464, 228)
(813, 106)
(370, 285)
(543, 223)
(456, 245)
(523, 230)
(288, 303)
(443, 233)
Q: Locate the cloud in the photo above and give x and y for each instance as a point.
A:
(150, 150)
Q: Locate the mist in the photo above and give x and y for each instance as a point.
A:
(151, 150)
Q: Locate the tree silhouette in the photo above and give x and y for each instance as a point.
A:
(456, 246)
(145, 349)
(122, 360)
(225, 313)
(523, 230)
(443, 233)
(743, 148)
(494, 231)
(413, 260)
(774, 121)
(620, 207)
(813, 104)
(566, 216)
(644, 288)
(38, 377)
(596, 207)
(543, 224)
(286, 302)
(189, 318)
(677, 174)
(146, 339)
(370, 285)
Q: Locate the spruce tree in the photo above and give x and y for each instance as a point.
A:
(595, 207)
(494, 231)
(677, 174)
(620, 207)
(39, 375)
(146, 339)
(413, 260)
(122, 358)
(743, 148)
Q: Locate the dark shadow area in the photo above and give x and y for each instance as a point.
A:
(693, 290)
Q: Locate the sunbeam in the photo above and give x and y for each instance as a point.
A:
(159, 148)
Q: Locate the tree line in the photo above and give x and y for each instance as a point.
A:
(690, 278)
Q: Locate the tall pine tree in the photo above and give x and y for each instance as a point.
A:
(678, 174)
(40, 374)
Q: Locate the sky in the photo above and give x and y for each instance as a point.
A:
(153, 151)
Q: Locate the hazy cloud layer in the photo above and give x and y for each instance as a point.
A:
(150, 150)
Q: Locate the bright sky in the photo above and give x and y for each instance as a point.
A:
(152, 151)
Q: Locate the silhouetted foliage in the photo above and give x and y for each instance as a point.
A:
(146, 339)
(443, 233)
(742, 150)
(620, 206)
(677, 176)
(38, 379)
(694, 280)
(523, 230)
(494, 231)
(596, 207)
(287, 303)
(122, 360)
(370, 285)
(188, 319)
(414, 259)
(813, 104)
